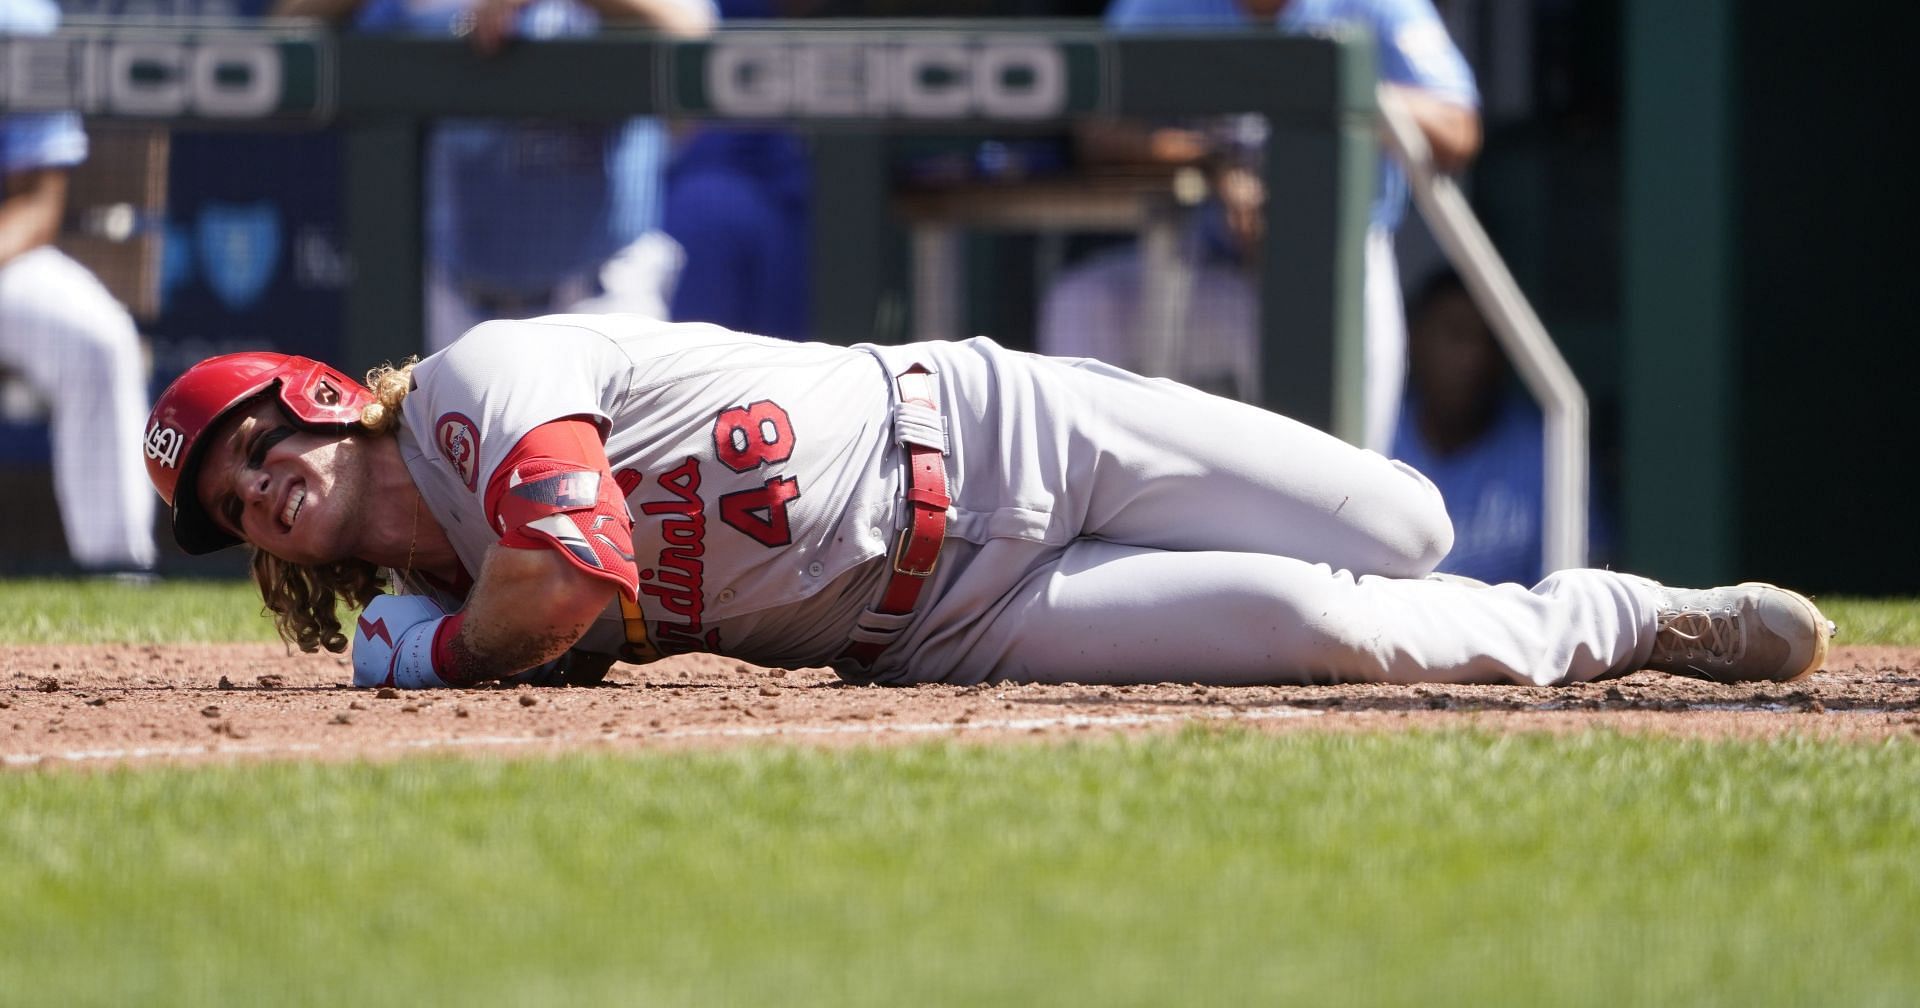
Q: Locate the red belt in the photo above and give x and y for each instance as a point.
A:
(918, 550)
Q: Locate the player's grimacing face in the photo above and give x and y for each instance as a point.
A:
(284, 489)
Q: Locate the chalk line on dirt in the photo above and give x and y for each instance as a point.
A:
(135, 753)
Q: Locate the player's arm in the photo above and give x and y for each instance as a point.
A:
(683, 18)
(30, 210)
(566, 546)
(527, 608)
(1452, 129)
(1421, 65)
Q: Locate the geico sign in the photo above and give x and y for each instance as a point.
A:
(1008, 79)
(215, 78)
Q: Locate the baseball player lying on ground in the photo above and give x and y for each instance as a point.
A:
(555, 494)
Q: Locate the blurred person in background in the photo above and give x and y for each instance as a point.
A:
(1090, 310)
(1469, 426)
(739, 205)
(529, 217)
(68, 338)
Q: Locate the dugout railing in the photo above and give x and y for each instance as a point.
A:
(1542, 368)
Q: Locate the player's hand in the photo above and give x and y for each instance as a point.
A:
(393, 642)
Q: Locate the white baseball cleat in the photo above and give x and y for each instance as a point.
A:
(1752, 632)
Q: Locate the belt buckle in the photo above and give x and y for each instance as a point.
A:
(900, 556)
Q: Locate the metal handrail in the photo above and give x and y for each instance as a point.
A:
(1563, 404)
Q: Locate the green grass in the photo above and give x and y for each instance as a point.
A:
(56, 611)
(1203, 868)
(1874, 621)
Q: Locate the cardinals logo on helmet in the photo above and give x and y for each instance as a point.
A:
(164, 443)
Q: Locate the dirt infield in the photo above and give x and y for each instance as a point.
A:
(107, 705)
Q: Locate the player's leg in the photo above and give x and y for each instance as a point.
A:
(1087, 311)
(1101, 612)
(69, 337)
(636, 280)
(1093, 310)
(1219, 349)
(1153, 463)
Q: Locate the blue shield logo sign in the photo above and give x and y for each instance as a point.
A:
(239, 245)
(176, 259)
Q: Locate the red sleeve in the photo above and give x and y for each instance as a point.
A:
(555, 490)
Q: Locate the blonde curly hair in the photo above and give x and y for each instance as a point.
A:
(304, 599)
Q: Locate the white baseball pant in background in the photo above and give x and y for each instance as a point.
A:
(63, 332)
(1091, 311)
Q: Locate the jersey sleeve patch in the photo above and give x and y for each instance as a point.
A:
(555, 491)
(459, 444)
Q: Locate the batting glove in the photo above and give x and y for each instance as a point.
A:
(393, 643)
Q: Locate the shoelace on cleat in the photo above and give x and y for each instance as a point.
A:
(1700, 635)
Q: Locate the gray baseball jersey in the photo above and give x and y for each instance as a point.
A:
(755, 471)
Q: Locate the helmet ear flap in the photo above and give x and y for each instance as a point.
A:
(314, 393)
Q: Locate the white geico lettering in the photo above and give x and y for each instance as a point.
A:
(163, 445)
(995, 78)
(218, 78)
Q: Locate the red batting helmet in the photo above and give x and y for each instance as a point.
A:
(313, 394)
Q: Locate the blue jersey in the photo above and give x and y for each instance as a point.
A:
(519, 206)
(1495, 494)
(1413, 49)
(739, 203)
(1493, 490)
(32, 140)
